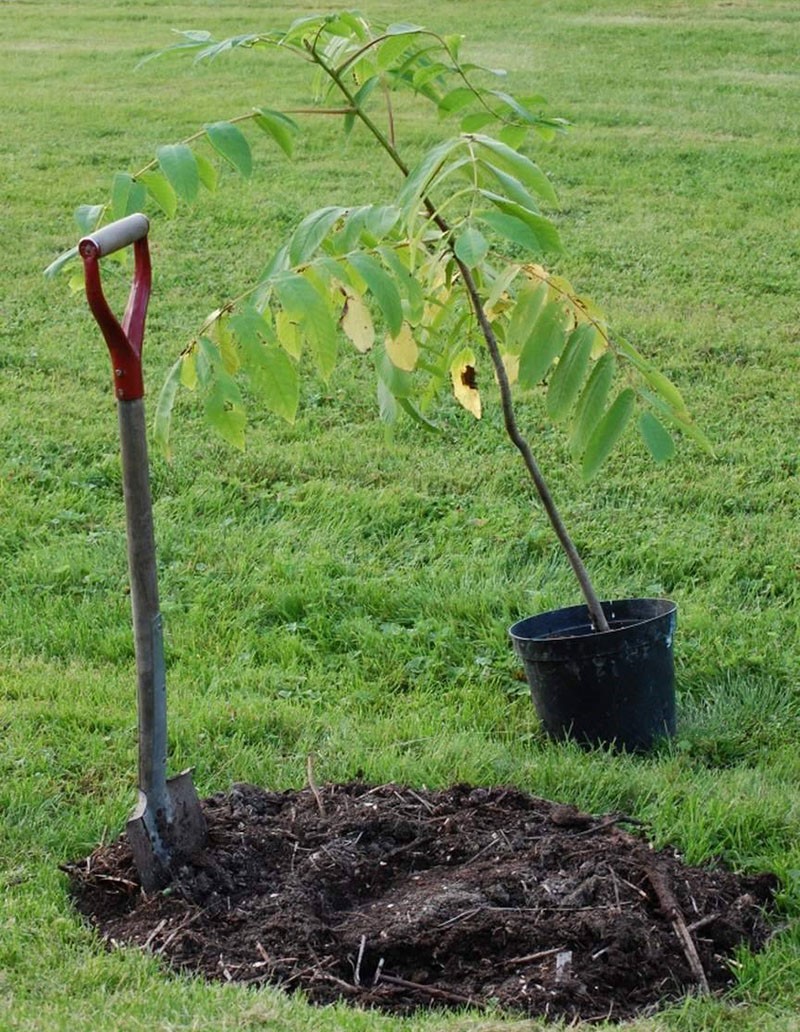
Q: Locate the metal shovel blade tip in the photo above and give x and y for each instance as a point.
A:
(161, 836)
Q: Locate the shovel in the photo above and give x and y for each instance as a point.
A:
(168, 823)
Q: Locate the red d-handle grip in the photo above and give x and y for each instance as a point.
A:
(124, 340)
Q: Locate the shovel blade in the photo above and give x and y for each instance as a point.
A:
(161, 836)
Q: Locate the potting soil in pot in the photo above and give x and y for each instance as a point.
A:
(398, 899)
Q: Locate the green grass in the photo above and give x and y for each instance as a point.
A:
(332, 592)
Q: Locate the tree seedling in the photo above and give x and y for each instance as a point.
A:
(434, 283)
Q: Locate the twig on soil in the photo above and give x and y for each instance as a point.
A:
(609, 822)
(459, 917)
(529, 958)
(431, 990)
(419, 799)
(158, 928)
(672, 911)
(313, 785)
(695, 926)
(184, 924)
(357, 971)
(344, 986)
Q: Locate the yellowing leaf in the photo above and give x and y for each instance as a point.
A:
(189, 368)
(356, 322)
(226, 342)
(288, 333)
(536, 273)
(402, 349)
(465, 386)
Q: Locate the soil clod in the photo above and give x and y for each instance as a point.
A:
(397, 899)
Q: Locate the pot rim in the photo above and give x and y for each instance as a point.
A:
(577, 615)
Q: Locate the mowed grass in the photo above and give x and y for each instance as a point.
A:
(337, 593)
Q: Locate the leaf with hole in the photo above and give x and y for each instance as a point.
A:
(465, 384)
(224, 409)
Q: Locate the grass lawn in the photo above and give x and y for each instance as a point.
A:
(332, 592)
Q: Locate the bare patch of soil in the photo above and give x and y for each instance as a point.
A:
(399, 899)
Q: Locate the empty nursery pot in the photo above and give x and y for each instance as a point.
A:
(614, 687)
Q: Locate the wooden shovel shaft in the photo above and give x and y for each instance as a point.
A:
(150, 671)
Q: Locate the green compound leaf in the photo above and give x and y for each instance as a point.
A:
(592, 402)
(534, 233)
(311, 232)
(545, 341)
(230, 143)
(225, 409)
(280, 127)
(271, 373)
(307, 307)
(164, 406)
(382, 288)
(206, 172)
(656, 437)
(471, 247)
(178, 163)
(527, 307)
(569, 374)
(160, 189)
(537, 234)
(420, 176)
(607, 432)
(520, 167)
(398, 382)
(87, 217)
(127, 195)
(456, 100)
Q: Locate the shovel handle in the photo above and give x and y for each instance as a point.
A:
(116, 235)
(124, 340)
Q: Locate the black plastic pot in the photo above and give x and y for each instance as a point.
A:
(612, 688)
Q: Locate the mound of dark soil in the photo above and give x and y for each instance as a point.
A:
(398, 899)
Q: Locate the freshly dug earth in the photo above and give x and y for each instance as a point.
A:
(399, 899)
